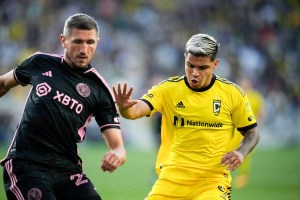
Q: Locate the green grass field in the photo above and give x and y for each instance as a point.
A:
(275, 175)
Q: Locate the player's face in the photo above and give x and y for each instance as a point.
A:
(80, 46)
(199, 70)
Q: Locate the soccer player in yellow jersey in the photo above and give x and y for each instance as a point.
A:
(200, 112)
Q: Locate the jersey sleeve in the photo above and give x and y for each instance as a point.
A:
(243, 116)
(153, 98)
(23, 72)
(106, 114)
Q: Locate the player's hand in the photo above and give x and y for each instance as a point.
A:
(113, 159)
(233, 160)
(123, 97)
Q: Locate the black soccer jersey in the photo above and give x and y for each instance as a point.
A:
(61, 103)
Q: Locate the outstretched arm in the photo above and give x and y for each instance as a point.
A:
(235, 158)
(116, 155)
(128, 108)
(7, 81)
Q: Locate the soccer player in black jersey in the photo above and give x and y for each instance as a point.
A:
(42, 161)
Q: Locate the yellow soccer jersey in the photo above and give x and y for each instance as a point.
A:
(198, 126)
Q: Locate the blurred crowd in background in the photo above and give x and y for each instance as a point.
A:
(142, 42)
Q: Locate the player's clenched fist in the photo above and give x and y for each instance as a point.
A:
(113, 159)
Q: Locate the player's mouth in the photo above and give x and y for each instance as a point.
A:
(194, 83)
(82, 58)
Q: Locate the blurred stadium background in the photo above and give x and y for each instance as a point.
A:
(142, 42)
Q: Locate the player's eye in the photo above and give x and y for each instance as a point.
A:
(90, 42)
(190, 65)
(77, 41)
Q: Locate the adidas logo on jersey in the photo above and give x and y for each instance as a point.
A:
(180, 105)
(48, 73)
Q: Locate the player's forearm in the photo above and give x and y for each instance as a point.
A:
(138, 110)
(7, 81)
(114, 142)
(3, 88)
(129, 113)
(250, 140)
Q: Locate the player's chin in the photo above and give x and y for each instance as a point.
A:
(81, 64)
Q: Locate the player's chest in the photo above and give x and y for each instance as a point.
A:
(75, 91)
(195, 107)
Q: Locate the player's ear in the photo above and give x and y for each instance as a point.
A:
(63, 40)
(216, 62)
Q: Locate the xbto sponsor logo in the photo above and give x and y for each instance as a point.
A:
(43, 89)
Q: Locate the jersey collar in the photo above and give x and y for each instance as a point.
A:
(213, 79)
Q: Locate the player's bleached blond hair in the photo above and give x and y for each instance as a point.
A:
(80, 21)
(202, 45)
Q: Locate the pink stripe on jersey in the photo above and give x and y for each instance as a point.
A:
(81, 131)
(109, 125)
(54, 55)
(13, 179)
(102, 79)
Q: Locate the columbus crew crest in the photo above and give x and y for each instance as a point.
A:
(217, 107)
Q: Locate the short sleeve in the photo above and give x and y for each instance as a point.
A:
(153, 99)
(106, 114)
(242, 115)
(22, 73)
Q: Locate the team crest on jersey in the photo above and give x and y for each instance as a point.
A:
(117, 119)
(34, 194)
(83, 89)
(217, 107)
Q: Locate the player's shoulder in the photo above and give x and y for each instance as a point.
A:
(169, 84)
(40, 55)
(224, 82)
(175, 79)
(172, 80)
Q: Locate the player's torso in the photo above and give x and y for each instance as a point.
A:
(63, 91)
(201, 120)
(201, 123)
(58, 109)
(202, 127)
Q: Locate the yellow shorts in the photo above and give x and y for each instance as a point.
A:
(206, 189)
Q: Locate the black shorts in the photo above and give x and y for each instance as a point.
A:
(25, 181)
